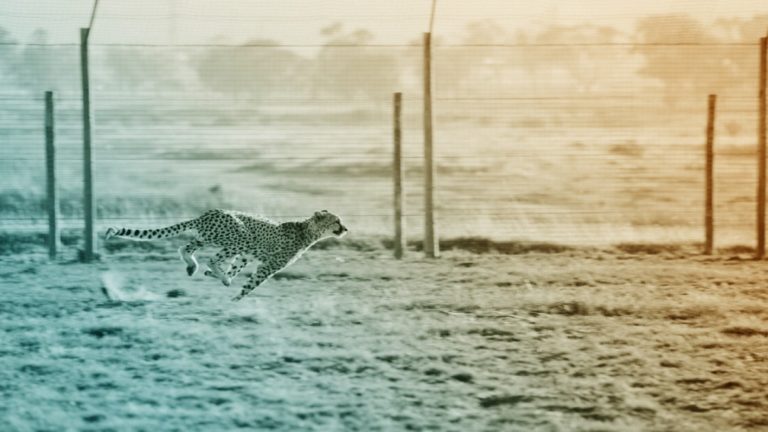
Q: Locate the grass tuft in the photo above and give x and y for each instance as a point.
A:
(576, 307)
(650, 248)
(737, 250)
(22, 242)
(744, 331)
(482, 245)
(366, 244)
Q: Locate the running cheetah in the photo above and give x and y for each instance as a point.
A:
(243, 238)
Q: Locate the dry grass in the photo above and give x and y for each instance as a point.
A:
(581, 339)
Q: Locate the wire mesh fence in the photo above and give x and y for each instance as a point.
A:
(581, 142)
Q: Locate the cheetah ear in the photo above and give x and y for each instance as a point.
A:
(318, 214)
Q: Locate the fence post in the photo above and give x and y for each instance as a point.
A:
(431, 242)
(761, 153)
(50, 170)
(709, 211)
(397, 165)
(89, 209)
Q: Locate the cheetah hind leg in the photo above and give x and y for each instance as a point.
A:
(187, 253)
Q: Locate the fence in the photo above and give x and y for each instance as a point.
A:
(525, 147)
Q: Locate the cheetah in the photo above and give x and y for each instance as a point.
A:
(244, 238)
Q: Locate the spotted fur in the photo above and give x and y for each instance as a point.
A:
(243, 238)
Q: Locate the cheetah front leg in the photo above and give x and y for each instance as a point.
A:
(238, 265)
(214, 266)
(264, 272)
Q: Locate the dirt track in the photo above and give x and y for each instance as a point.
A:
(354, 340)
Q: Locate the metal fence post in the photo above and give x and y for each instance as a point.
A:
(52, 199)
(397, 173)
(431, 242)
(761, 153)
(88, 204)
(709, 227)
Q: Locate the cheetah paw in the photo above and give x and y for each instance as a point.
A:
(227, 281)
(191, 270)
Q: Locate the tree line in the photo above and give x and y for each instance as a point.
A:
(485, 59)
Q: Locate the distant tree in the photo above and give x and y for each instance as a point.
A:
(483, 61)
(697, 67)
(141, 69)
(8, 59)
(259, 68)
(578, 50)
(475, 63)
(344, 69)
(35, 64)
(741, 62)
(39, 66)
(741, 29)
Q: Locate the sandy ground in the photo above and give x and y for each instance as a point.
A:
(350, 339)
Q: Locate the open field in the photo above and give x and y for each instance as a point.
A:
(533, 336)
(570, 172)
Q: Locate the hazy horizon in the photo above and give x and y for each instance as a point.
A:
(297, 22)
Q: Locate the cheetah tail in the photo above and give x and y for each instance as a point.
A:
(150, 234)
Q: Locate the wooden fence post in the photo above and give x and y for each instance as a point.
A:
(761, 153)
(431, 242)
(398, 174)
(50, 169)
(709, 226)
(88, 204)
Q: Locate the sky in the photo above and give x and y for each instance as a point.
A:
(300, 21)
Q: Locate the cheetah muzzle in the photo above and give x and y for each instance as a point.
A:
(243, 239)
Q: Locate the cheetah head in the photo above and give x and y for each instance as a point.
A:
(328, 224)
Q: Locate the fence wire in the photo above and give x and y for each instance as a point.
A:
(584, 142)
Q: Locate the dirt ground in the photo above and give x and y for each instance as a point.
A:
(350, 339)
